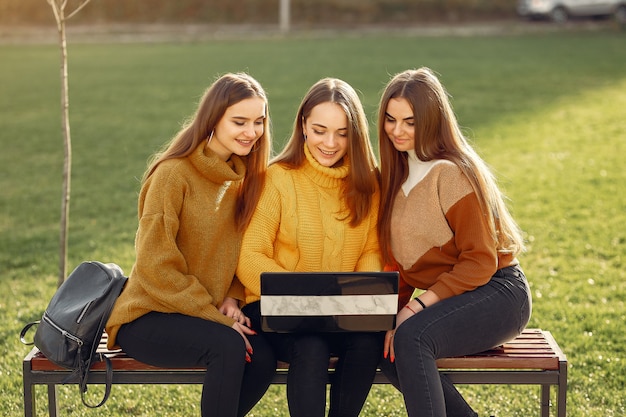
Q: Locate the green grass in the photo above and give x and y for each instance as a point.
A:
(545, 110)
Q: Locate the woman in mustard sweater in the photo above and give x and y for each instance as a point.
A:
(318, 212)
(444, 223)
(180, 305)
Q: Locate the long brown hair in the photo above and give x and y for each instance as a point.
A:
(227, 90)
(437, 136)
(363, 177)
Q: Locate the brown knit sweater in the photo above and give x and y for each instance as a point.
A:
(187, 242)
(440, 237)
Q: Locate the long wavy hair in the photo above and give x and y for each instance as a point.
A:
(437, 136)
(226, 91)
(362, 181)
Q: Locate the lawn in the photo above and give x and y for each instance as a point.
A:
(546, 110)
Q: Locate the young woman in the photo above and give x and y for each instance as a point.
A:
(180, 305)
(444, 224)
(318, 212)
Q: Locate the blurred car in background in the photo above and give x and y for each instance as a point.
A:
(561, 10)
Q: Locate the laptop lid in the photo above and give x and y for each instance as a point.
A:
(328, 301)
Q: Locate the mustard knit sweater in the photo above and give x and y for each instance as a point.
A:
(302, 224)
(187, 242)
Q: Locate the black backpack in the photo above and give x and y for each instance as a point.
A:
(70, 330)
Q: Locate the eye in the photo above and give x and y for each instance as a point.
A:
(389, 119)
(318, 132)
(238, 123)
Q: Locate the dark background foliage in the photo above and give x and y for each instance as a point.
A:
(303, 12)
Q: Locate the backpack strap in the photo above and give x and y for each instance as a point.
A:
(25, 330)
(84, 377)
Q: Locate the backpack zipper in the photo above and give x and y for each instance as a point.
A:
(82, 313)
(70, 336)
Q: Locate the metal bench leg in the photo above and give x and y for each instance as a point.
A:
(562, 390)
(545, 400)
(53, 409)
(29, 399)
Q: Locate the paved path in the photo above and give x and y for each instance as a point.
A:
(196, 32)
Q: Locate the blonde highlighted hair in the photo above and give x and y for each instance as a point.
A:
(226, 91)
(437, 136)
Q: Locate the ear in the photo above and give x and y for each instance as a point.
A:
(303, 127)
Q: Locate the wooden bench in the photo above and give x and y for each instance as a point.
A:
(533, 358)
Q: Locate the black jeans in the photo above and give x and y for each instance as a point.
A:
(308, 355)
(462, 325)
(231, 386)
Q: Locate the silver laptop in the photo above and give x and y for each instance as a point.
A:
(328, 301)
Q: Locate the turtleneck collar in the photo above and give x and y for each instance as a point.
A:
(417, 171)
(213, 168)
(327, 177)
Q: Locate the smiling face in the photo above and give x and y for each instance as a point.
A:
(326, 130)
(239, 128)
(400, 124)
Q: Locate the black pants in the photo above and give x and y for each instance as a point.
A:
(231, 386)
(461, 325)
(308, 355)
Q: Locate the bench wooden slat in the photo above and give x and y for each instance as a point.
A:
(530, 350)
(533, 357)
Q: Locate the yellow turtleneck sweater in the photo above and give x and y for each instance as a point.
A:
(302, 224)
(187, 242)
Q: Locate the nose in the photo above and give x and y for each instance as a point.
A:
(397, 129)
(329, 140)
(250, 131)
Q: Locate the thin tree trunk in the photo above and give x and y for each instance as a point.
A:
(67, 160)
(58, 9)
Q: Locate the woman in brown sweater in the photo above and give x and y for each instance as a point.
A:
(444, 224)
(180, 307)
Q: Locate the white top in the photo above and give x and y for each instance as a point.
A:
(417, 171)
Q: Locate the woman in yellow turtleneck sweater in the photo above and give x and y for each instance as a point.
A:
(180, 305)
(318, 212)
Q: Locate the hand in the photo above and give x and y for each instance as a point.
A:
(230, 308)
(244, 331)
(404, 314)
(401, 317)
(388, 347)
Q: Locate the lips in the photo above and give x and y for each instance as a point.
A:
(327, 153)
(398, 141)
(245, 142)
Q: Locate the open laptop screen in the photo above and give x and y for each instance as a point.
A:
(328, 301)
